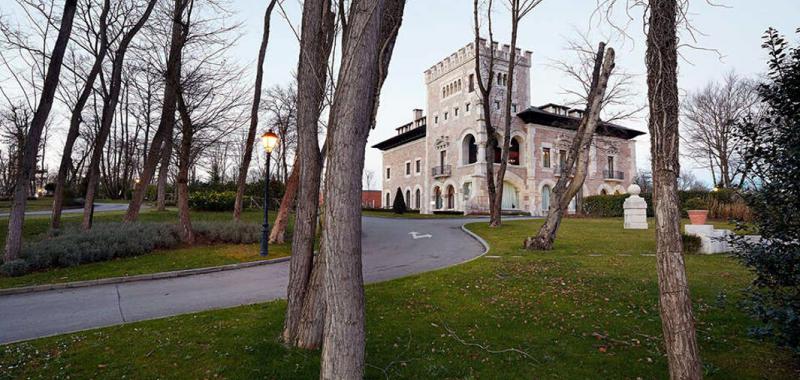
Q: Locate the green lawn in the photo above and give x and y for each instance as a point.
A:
(201, 256)
(588, 309)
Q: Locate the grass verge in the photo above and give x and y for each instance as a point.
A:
(588, 309)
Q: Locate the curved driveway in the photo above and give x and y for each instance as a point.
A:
(392, 248)
(98, 207)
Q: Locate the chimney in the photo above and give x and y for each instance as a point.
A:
(417, 114)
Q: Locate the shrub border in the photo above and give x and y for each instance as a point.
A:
(140, 277)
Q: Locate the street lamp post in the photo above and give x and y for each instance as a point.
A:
(268, 140)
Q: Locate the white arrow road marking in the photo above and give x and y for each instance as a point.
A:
(417, 235)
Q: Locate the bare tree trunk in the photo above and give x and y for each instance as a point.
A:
(241, 181)
(167, 123)
(184, 159)
(278, 233)
(312, 316)
(163, 174)
(109, 108)
(485, 88)
(675, 303)
(578, 157)
(76, 119)
(315, 48)
(368, 43)
(16, 218)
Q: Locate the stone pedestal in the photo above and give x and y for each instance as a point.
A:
(711, 240)
(635, 210)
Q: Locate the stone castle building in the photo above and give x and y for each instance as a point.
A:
(438, 160)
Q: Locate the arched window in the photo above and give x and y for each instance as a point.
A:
(545, 198)
(505, 79)
(408, 198)
(388, 202)
(451, 197)
(437, 197)
(513, 153)
(498, 152)
(499, 79)
(469, 150)
(418, 200)
(603, 192)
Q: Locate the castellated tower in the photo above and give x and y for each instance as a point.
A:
(455, 111)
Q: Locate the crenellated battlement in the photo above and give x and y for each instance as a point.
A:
(467, 53)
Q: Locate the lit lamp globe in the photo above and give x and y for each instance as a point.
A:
(269, 140)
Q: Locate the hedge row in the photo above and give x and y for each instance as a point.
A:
(212, 200)
(723, 204)
(116, 240)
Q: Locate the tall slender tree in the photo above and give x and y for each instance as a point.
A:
(77, 116)
(317, 32)
(167, 123)
(367, 45)
(675, 303)
(109, 109)
(16, 218)
(241, 180)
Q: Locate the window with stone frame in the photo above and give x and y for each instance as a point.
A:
(388, 173)
(408, 168)
(546, 157)
(419, 166)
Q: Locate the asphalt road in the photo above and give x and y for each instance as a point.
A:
(392, 248)
(98, 207)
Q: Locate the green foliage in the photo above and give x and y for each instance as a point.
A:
(695, 204)
(212, 200)
(770, 146)
(109, 241)
(14, 268)
(399, 205)
(691, 244)
(606, 206)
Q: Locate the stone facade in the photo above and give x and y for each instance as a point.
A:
(445, 150)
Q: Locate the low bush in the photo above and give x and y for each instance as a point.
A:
(116, 240)
(695, 204)
(212, 200)
(691, 244)
(608, 206)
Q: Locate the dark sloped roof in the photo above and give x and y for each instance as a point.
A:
(538, 116)
(403, 138)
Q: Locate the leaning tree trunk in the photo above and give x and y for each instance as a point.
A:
(566, 188)
(109, 108)
(677, 321)
(241, 181)
(167, 122)
(163, 174)
(316, 42)
(368, 42)
(312, 315)
(76, 118)
(278, 233)
(184, 159)
(16, 218)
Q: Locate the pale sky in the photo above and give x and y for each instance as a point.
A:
(433, 29)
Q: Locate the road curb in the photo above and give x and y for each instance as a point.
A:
(141, 277)
(480, 240)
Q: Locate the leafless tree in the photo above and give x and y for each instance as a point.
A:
(621, 99)
(50, 84)
(110, 102)
(577, 163)
(369, 179)
(644, 178)
(687, 181)
(709, 117)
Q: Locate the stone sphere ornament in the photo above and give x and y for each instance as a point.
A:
(634, 189)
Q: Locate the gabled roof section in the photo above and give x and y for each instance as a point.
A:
(403, 138)
(535, 115)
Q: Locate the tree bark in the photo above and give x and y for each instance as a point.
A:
(241, 181)
(278, 233)
(315, 48)
(675, 303)
(312, 315)
(163, 174)
(16, 218)
(368, 43)
(184, 160)
(167, 122)
(76, 119)
(109, 108)
(566, 188)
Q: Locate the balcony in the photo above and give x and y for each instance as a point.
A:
(441, 171)
(613, 175)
